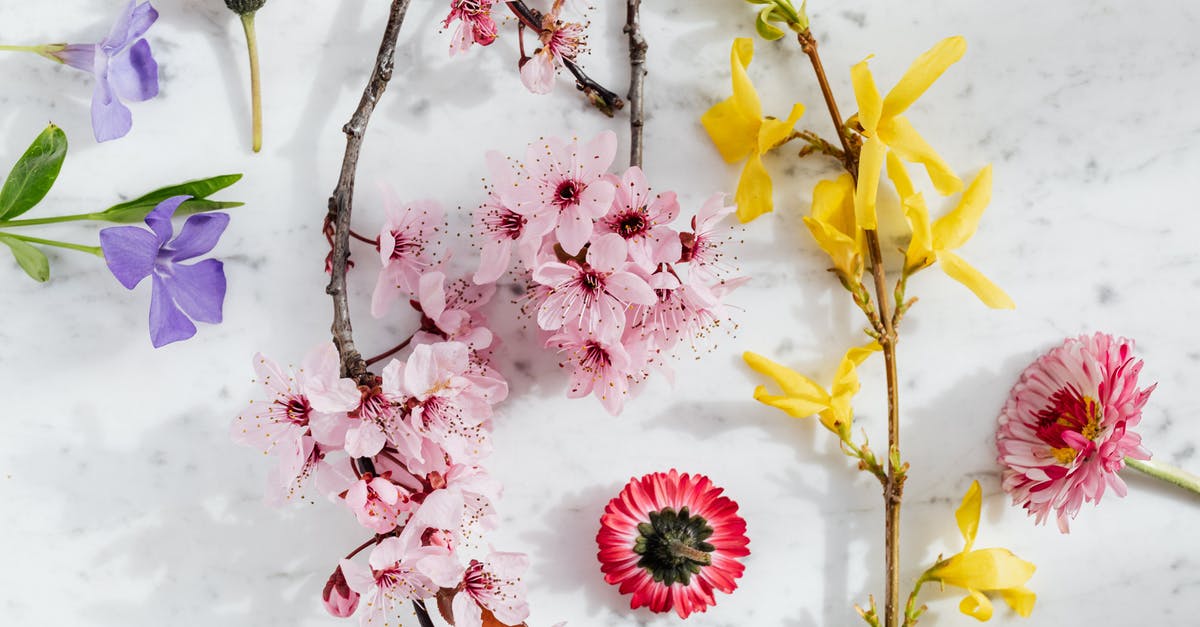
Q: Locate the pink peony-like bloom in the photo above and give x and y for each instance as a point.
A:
(572, 185)
(402, 249)
(702, 247)
(1065, 430)
(339, 599)
(494, 585)
(594, 296)
(477, 25)
(560, 40)
(671, 540)
(643, 221)
(598, 366)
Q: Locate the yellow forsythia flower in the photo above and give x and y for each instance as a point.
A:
(833, 225)
(934, 242)
(738, 128)
(887, 130)
(984, 570)
(803, 397)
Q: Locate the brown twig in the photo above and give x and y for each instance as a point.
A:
(637, 76)
(600, 97)
(893, 489)
(391, 351)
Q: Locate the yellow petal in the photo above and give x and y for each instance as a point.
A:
(898, 173)
(791, 382)
(843, 251)
(959, 270)
(866, 93)
(920, 248)
(901, 137)
(922, 73)
(753, 196)
(955, 228)
(985, 569)
(870, 162)
(774, 132)
(845, 382)
(836, 420)
(734, 134)
(833, 203)
(1021, 599)
(967, 514)
(976, 605)
(793, 406)
(744, 95)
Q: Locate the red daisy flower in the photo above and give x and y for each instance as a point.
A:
(670, 540)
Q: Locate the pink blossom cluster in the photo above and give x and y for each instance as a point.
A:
(402, 451)
(559, 39)
(615, 286)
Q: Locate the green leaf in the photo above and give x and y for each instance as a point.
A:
(34, 174)
(136, 213)
(31, 260)
(202, 188)
(765, 28)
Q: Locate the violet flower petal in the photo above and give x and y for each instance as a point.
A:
(110, 119)
(130, 252)
(133, 74)
(78, 56)
(131, 24)
(159, 220)
(167, 322)
(199, 289)
(198, 235)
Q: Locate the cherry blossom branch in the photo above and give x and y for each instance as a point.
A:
(600, 97)
(637, 76)
(885, 332)
(391, 351)
(342, 200)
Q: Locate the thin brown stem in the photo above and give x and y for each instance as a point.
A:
(363, 238)
(342, 201)
(893, 489)
(391, 351)
(360, 548)
(637, 79)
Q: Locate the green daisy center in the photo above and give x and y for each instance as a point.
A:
(672, 545)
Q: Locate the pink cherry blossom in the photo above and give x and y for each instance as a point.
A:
(598, 366)
(495, 585)
(643, 221)
(1068, 426)
(512, 217)
(560, 40)
(572, 185)
(476, 24)
(377, 502)
(455, 318)
(403, 239)
(339, 599)
(702, 247)
(593, 296)
(395, 574)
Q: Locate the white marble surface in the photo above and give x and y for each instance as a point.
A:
(124, 503)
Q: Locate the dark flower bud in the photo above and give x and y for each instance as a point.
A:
(244, 7)
(339, 599)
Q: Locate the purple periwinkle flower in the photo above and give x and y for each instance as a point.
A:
(180, 292)
(123, 67)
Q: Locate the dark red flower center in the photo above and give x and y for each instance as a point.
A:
(672, 545)
(567, 193)
(1070, 411)
(505, 223)
(631, 223)
(295, 409)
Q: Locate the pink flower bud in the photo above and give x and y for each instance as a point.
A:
(339, 599)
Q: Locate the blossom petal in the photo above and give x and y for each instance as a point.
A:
(744, 94)
(607, 253)
(967, 514)
(130, 252)
(133, 22)
(774, 132)
(630, 288)
(754, 191)
(959, 270)
(133, 73)
(870, 164)
(110, 119)
(866, 94)
(794, 406)
(159, 220)
(199, 289)
(200, 233)
(791, 382)
(573, 230)
(167, 322)
(734, 135)
(955, 228)
(1021, 599)
(976, 605)
(922, 73)
(431, 292)
(538, 72)
(901, 137)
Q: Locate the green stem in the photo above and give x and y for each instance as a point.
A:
(1170, 474)
(95, 250)
(54, 220)
(44, 50)
(255, 89)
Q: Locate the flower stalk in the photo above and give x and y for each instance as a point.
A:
(1165, 472)
(255, 81)
(93, 250)
(637, 76)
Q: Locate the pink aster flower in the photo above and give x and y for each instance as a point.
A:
(560, 40)
(397, 572)
(671, 540)
(643, 221)
(494, 585)
(702, 247)
(1067, 426)
(594, 295)
(573, 186)
(476, 24)
(402, 249)
(598, 366)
